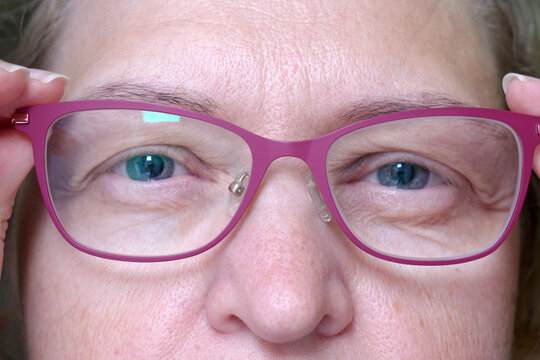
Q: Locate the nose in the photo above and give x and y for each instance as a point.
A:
(278, 275)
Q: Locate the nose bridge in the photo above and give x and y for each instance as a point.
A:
(272, 150)
(298, 149)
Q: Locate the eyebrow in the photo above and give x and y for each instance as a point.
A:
(157, 94)
(370, 108)
(191, 100)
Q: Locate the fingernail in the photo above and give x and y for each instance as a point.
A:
(507, 79)
(52, 77)
(46, 76)
(11, 68)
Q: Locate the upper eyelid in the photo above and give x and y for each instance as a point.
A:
(115, 160)
(383, 158)
(448, 175)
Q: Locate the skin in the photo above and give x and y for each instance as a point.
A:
(274, 288)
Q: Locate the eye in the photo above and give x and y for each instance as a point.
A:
(155, 163)
(149, 167)
(403, 175)
(402, 171)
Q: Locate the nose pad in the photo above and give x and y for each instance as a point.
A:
(237, 189)
(317, 199)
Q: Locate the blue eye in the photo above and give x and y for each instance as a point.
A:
(402, 175)
(149, 167)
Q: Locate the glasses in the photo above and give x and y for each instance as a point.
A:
(144, 182)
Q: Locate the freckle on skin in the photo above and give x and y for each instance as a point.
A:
(396, 306)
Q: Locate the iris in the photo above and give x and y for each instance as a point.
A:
(403, 175)
(150, 167)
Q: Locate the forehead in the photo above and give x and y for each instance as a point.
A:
(286, 61)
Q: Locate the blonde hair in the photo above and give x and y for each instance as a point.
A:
(514, 29)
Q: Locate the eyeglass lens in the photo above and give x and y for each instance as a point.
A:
(428, 188)
(155, 184)
(148, 184)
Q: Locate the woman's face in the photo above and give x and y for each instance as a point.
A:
(284, 283)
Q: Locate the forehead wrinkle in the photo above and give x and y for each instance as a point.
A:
(288, 95)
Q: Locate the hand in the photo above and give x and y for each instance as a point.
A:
(19, 87)
(523, 96)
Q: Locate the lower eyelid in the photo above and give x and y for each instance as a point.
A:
(125, 191)
(392, 202)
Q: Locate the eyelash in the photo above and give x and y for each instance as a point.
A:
(178, 154)
(367, 164)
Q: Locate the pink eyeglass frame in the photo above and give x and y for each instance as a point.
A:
(36, 121)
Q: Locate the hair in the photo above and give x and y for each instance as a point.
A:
(513, 27)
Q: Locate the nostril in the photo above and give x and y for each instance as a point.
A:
(221, 311)
(326, 327)
(231, 324)
(317, 199)
(330, 326)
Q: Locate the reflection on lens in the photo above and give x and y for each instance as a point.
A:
(138, 183)
(448, 191)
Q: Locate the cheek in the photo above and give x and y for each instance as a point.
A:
(86, 307)
(461, 311)
(80, 306)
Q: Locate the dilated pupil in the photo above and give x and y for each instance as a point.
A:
(149, 167)
(403, 175)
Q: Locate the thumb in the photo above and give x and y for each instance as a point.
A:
(16, 160)
(523, 96)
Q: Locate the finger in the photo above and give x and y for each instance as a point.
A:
(522, 93)
(536, 161)
(523, 96)
(13, 81)
(36, 92)
(17, 160)
(23, 87)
